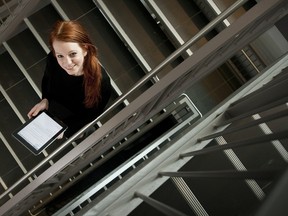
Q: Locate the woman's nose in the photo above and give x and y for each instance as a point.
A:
(67, 61)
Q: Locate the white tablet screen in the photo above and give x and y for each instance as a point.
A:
(40, 131)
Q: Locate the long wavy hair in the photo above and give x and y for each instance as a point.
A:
(73, 31)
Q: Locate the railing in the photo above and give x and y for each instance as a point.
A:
(7, 8)
(12, 14)
(147, 78)
(226, 119)
(245, 111)
(147, 104)
(8, 11)
(182, 110)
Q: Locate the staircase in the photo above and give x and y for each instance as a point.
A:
(175, 67)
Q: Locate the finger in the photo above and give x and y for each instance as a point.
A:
(33, 112)
(30, 114)
(60, 136)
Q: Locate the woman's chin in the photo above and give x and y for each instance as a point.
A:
(71, 72)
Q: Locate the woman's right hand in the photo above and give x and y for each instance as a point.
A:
(42, 105)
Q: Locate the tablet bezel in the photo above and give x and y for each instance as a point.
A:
(28, 145)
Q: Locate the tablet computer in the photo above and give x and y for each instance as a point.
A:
(39, 132)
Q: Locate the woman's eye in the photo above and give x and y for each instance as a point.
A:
(73, 54)
(59, 56)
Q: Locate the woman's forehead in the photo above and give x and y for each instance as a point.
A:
(65, 47)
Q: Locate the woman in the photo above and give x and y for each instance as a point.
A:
(75, 87)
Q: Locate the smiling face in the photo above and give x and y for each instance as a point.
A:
(70, 57)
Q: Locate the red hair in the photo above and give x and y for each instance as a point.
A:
(73, 31)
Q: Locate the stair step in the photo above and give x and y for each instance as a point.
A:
(75, 9)
(43, 19)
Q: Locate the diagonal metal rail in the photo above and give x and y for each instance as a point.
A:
(261, 18)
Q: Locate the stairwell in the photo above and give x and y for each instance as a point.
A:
(155, 42)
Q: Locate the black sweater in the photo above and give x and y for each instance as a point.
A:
(65, 94)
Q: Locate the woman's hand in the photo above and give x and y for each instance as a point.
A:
(42, 105)
(60, 135)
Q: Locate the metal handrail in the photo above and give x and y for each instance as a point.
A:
(119, 171)
(210, 26)
(7, 6)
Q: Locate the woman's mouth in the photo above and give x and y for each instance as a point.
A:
(70, 68)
